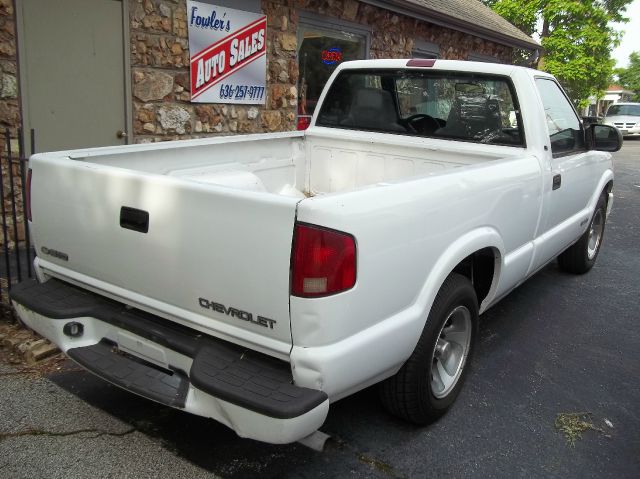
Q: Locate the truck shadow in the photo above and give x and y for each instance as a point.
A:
(359, 426)
(216, 448)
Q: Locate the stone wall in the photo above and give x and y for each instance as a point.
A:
(160, 59)
(160, 65)
(394, 35)
(9, 107)
(10, 118)
(160, 77)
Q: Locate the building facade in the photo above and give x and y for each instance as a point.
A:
(102, 72)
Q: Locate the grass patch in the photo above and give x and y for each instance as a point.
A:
(377, 464)
(573, 424)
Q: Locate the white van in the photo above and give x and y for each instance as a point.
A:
(625, 117)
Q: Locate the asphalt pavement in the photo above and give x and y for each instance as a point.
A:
(557, 345)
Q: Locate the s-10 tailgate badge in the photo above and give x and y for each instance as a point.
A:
(55, 253)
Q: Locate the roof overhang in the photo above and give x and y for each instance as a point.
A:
(438, 18)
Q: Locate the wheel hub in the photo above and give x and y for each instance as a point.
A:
(595, 234)
(451, 351)
(443, 349)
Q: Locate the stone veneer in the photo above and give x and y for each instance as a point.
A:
(10, 118)
(160, 65)
(9, 105)
(160, 59)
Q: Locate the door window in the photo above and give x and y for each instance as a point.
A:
(565, 131)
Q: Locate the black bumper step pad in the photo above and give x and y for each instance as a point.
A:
(104, 360)
(59, 300)
(252, 381)
(225, 370)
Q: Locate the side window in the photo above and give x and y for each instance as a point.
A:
(565, 130)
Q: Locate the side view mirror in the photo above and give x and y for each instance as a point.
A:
(604, 138)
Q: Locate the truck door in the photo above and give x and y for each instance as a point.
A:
(570, 178)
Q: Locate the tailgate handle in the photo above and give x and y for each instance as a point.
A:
(134, 219)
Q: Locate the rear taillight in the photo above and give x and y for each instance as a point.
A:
(323, 261)
(28, 195)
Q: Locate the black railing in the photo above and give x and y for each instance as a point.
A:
(18, 254)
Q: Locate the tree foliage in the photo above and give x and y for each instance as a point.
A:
(630, 77)
(577, 39)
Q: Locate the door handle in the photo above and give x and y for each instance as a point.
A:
(134, 219)
(121, 134)
(557, 181)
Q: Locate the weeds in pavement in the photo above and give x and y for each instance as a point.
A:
(573, 424)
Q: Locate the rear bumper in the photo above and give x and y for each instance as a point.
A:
(249, 392)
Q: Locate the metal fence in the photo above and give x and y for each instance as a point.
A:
(18, 254)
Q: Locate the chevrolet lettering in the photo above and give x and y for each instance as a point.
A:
(236, 313)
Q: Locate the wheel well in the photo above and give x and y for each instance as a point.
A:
(608, 189)
(479, 268)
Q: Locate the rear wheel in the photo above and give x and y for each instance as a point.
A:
(429, 382)
(581, 256)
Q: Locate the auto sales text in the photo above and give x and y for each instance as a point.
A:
(227, 56)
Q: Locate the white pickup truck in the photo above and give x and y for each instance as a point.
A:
(257, 279)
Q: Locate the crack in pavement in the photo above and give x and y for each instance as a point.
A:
(35, 371)
(40, 432)
(18, 373)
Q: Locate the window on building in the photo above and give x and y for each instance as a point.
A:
(423, 49)
(475, 108)
(565, 130)
(321, 48)
(479, 57)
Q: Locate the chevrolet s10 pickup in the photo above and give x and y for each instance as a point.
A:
(257, 279)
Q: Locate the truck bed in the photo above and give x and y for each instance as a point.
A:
(292, 164)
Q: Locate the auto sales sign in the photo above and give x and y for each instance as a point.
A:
(228, 54)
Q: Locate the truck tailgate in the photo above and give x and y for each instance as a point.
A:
(213, 258)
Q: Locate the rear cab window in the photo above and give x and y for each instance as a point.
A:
(434, 104)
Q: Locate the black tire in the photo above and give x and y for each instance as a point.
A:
(581, 256)
(409, 394)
